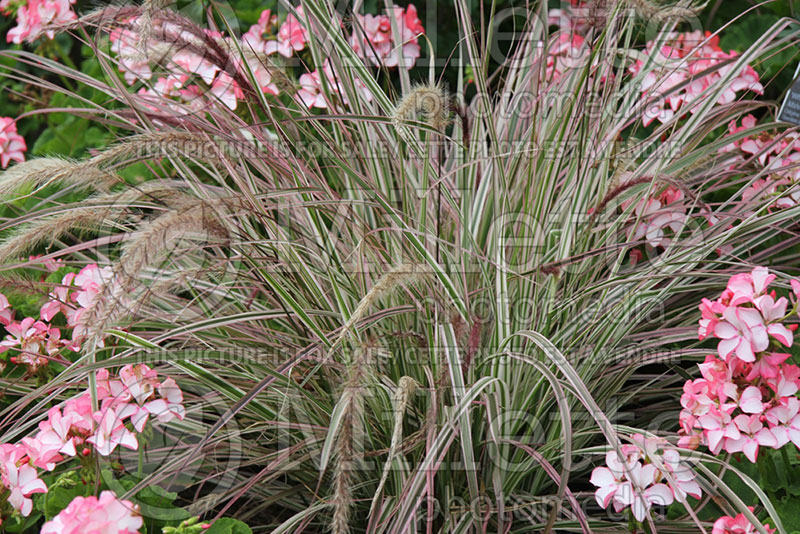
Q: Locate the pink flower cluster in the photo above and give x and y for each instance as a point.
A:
(745, 398)
(135, 395)
(777, 157)
(567, 51)
(574, 17)
(655, 217)
(649, 473)
(36, 340)
(374, 40)
(685, 68)
(36, 17)
(196, 80)
(12, 145)
(103, 515)
(737, 525)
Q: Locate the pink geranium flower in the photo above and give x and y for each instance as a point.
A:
(110, 432)
(57, 428)
(170, 405)
(753, 435)
(12, 145)
(103, 515)
(648, 474)
(737, 525)
(743, 333)
(6, 313)
(22, 482)
(292, 36)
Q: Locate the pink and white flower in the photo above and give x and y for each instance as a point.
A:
(111, 432)
(22, 481)
(737, 525)
(743, 333)
(6, 313)
(292, 36)
(12, 145)
(104, 515)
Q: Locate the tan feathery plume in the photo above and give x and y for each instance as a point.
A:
(652, 10)
(42, 172)
(404, 273)
(406, 387)
(90, 215)
(149, 244)
(345, 454)
(93, 172)
(144, 26)
(425, 103)
(159, 144)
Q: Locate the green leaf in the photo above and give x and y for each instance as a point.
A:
(58, 498)
(789, 510)
(228, 525)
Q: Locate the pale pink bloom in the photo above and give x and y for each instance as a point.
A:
(140, 380)
(170, 405)
(753, 435)
(42, 454)
(567, 52)
(137, 414)
(52, 13)
(767, 365)
(573, 17)
(310, 91)
(683, 477)
(649, 492)
(683, 73)
(748, 122)
(406, 49)
(22, 481)
(376, 42)
(737, 525)
(774, 311)
(125, 44)
(103, 515)
(12, 145)
(612, 480)
(91, 280)
(744, 288)
(263, 77)
(56, 429)
(227, 90)
(711, 312)
(51, 265)
(59, 300)
(697, 396)
(292, 36)
(795, 287)
(79, 409)
(718, 427)
(788, 381)
(742, 332)
(28, 27)
(141, 383)
(29, 337)
(374, 39)
(635, 481)
(6, 313)
(111, 389)
(655, 215)
(750, 401)
(784, 421)
(110, 432)
(255, 37)
(187, 62)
